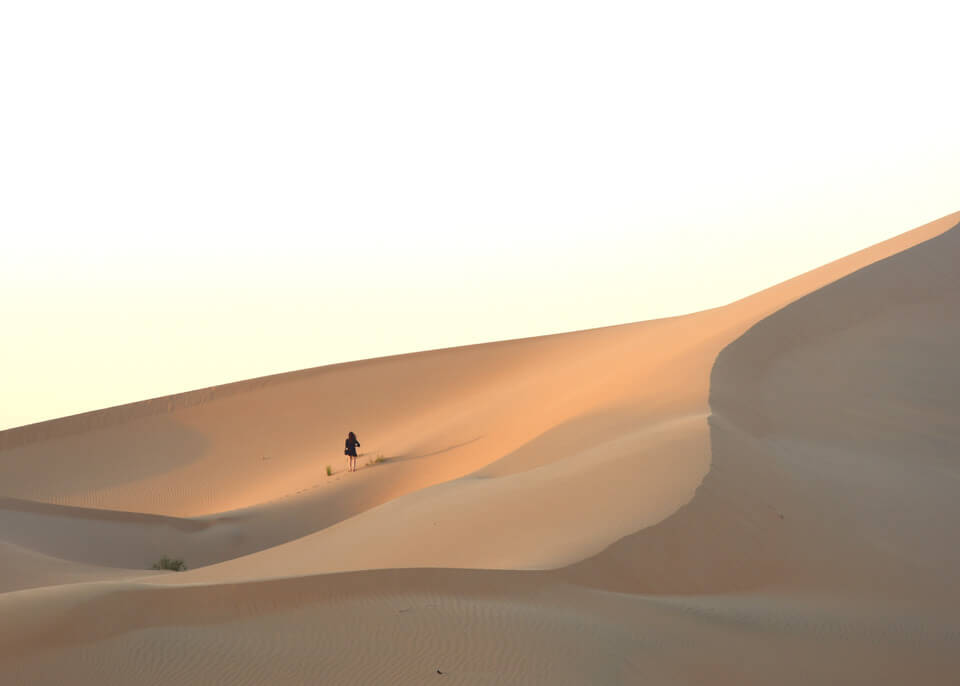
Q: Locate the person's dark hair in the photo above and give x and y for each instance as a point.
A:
(352, 435)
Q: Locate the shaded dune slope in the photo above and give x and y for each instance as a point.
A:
(835, 443)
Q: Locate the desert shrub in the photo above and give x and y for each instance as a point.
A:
(173, 565)
(329, 470)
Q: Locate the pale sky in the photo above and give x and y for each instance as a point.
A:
(193, 193)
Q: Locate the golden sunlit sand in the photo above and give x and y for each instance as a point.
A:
(760, 493)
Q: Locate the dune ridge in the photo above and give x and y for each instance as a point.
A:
(760, 492)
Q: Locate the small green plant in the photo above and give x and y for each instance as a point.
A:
(329, 470)
(377, 459)
(173, 565)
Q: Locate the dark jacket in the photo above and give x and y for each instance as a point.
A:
(351, 447)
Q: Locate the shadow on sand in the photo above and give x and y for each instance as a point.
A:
(405, 458)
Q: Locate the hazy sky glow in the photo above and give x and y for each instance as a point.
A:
(201, 192)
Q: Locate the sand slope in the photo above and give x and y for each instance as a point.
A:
(761, 492)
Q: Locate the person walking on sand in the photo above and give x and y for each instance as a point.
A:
(351, 450)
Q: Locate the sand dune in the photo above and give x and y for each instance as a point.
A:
(764, 492)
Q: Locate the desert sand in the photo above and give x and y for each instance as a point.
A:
(765, 492)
